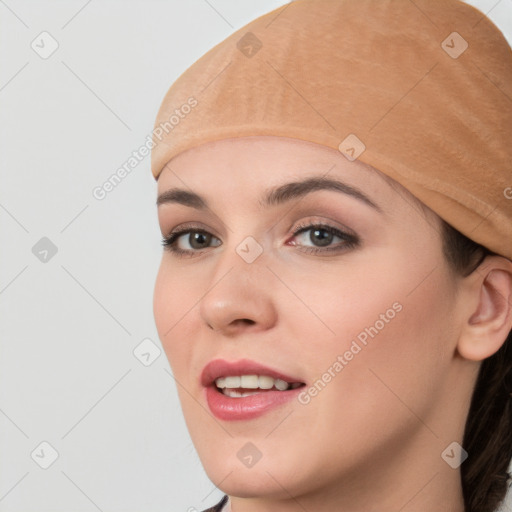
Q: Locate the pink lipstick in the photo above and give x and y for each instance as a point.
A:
(245, 389)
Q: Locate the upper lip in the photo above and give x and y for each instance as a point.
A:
(222, 368)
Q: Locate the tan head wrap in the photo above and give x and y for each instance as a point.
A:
(419, 89)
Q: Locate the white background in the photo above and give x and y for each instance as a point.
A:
(68, 375)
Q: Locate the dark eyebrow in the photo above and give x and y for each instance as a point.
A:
(272, 197)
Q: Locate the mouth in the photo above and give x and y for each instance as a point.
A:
(244, 389)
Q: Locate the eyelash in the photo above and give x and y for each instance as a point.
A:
(350, 241)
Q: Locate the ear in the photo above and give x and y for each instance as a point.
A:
(488, 304)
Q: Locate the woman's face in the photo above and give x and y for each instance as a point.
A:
(361, 317)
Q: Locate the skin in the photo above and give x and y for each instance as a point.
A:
(372, 439)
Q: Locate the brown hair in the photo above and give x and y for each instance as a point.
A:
(488, 431)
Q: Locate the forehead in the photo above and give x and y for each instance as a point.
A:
(247, 166)
(257, 159)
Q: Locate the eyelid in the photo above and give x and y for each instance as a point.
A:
(326, 221)
(191, 225)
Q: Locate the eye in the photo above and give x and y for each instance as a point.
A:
(197, 239)
(322, 235)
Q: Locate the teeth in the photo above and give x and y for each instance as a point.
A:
(281, 384)
(233, 393)
(249, 381)
(265, 382)
(231, 384)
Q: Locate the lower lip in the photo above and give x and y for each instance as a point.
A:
(247, 407)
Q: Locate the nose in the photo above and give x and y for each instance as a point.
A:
(239, 297)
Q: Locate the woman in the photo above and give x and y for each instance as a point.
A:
(334, 297)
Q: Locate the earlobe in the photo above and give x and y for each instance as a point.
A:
(489, 322)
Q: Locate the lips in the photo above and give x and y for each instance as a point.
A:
(221, 368)
(249, 403)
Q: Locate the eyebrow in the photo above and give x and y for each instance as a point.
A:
(272, 197)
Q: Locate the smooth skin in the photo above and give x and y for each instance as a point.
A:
(372, 439)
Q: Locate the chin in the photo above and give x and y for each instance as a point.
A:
(251, 484)
(271, 479)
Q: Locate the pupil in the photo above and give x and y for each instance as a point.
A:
(324, 240)
(200, 238)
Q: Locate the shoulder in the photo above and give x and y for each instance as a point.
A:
(218, 507)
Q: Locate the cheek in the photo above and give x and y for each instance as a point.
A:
(395, 345)
(342, 304)
(392, 316)
(395, 348)
(171, 302)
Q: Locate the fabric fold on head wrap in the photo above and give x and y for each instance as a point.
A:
(422, 91)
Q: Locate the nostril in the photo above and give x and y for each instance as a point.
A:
(244, 320)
